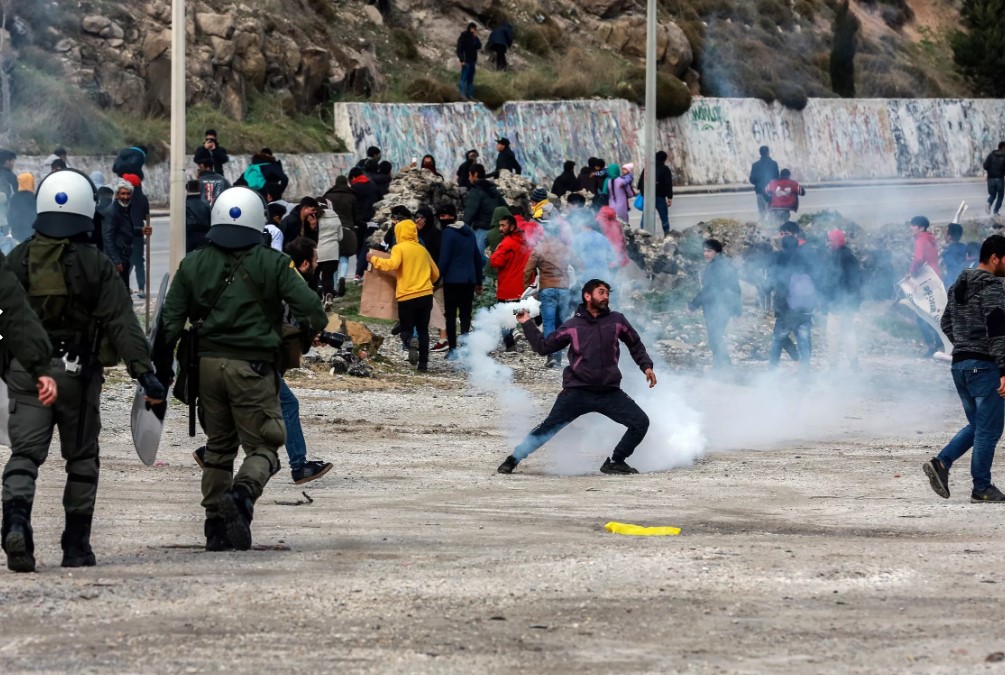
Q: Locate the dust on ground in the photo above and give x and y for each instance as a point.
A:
(815, 555)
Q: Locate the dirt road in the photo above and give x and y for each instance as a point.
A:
(416, 557)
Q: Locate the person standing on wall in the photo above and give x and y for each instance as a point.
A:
(664, 190)
(468, 46)
(762, 172)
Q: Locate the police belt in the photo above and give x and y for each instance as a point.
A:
(72, 351)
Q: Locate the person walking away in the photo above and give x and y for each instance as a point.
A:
(233, 292)
(367, 196)
(974, 321)
(995, 167)
(954, 255)
(500, 40)
(566, 181)
(506, 159)
(762, 172)
(329, 236)
(217, 153)
(211, 182)
(89, 321)
(664, 190)
(719, 299)
(431, 237)
(196, 217)
(592, 380)
(509, 261)
(416, 273)
(464, 170)
(842, 293)
(468, 46)
(346, 205)
(783, 196)
(926, 251)
(21, 208)
(549, 264)
(479, 204)
(795, 300)
(460, 263)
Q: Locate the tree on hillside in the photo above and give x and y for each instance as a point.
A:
(842, 62)
(980, 51)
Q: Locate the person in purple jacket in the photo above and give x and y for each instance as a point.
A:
(592, 380)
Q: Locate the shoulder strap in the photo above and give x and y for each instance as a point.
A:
(219, 294)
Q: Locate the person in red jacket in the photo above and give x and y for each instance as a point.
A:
(509, 260)
(926, 250)
(783, 195)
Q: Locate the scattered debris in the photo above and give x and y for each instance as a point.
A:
(299, 502)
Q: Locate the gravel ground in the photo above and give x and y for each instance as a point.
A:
(824, 551)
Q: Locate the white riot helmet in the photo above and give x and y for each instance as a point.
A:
(238, 218)
(65, 203)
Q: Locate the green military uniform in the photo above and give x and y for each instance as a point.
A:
(238, 342)
(74, 289)
(24, 338)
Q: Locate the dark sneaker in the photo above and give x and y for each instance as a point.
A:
(510, 342)
(396, 328)
(938, 476)
(989, 494)
(236, 509)
(619, 468)
(200, 456)
(216, 535)
(422, 367)
(341, 286)
(508, 465)
(311, 471)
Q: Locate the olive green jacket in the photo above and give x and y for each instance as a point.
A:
(23, 336)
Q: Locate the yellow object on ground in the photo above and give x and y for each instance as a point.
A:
(639, 531)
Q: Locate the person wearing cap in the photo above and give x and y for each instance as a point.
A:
(468, 46)
(719, 299)
(90, 323)
(506, 159)
(461, 267)
(841, 289)
(464, 170)
(235, 287)
(415, 273)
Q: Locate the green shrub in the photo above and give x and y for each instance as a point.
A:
(431, 90)
(673, 98)
(791, 95)
(491, 96)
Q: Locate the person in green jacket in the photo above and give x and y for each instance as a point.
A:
(232, 292)
(89, 320)
(24, 336)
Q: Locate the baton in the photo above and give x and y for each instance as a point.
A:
(960, 211)
(147, 237)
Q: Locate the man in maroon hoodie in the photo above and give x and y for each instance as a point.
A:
(926, 250)
(592, 380)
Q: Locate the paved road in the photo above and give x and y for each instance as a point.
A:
(868, 205)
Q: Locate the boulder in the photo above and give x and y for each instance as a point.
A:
(363, 339)
(155, 44)
(112, 31)
(674, 49)
(250, 63)
(373, 15)
(220, 25)
(223, 50)
(627, 36)
(474, 6)
(607, 9)
(233, 103)
(94, 24)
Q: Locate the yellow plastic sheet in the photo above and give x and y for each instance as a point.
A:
(639, 531)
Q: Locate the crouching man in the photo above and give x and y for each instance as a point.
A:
(592, 380)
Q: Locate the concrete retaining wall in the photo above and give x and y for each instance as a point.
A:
(714, 142)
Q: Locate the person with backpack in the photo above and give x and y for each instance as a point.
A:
(264, 168)
(795, 300)
(719, 298)
(783, 195)
(90, 322)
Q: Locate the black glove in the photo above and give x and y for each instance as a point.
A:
(152, 387)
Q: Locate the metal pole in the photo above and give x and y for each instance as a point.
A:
(649, 136)
(177, 199)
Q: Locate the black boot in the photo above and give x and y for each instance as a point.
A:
(76, 541)
(237, 509)
(17, 536)
(216, 535)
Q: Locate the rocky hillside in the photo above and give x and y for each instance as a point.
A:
(95, 73)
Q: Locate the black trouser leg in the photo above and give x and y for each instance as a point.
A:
(451, 304)
(467, 301)
(414, 315)
(567, 408)
(327, 271)
(619, 407)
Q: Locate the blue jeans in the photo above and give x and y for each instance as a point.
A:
(553, 304)
(996, 192)
(792, 322)
(467, 83)
(663, 213)
(977, 384)
(481, 240)
(343, 266)
(296, 446)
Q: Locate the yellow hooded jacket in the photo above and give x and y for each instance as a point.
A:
(411, 262)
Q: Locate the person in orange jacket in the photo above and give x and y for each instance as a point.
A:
(509, 260)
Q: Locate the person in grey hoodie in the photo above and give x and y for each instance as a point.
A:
(974, 321)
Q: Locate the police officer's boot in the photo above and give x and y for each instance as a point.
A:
(18, 543)
(237, 508)
(76, 541)
(216, 535)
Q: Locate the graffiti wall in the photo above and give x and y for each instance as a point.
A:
(714, 142)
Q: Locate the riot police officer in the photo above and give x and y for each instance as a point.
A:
(232, 292)
(24, 338)
(89, 319)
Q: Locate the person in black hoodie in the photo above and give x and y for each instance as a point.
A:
(506, 160)
(995, 166)
(762, 172)
(270, 168)
(463, 171)
(368, 195)
(479, 203)
(841, 288)
(461, 268)
(566, 181)
(381, 177)
(664, 189)
(500, 40)
(468, 46)
(302, 221)
(584, 181)
(130, 160)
